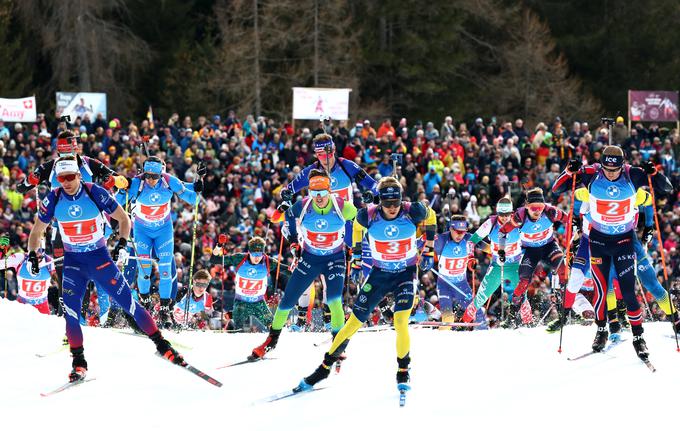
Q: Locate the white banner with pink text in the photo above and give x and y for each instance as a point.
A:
(18, 110)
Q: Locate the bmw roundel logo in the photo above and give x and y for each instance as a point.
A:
(456, 250)
(155, 198)
(75, 211)
(391, 231)
(613, 191)
(251, 272)
(321, 224)
(334, 182)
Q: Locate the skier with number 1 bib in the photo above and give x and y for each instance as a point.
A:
(79, 209)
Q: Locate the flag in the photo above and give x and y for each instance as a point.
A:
(149, 116)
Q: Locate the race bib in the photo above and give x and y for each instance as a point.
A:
(79, 231)
(393, 250)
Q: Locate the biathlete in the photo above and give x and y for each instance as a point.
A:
(535, 223)
(390, 228)
(316, 227)
(79, 209)
(150, 196)
(252, 282)
(499, 273)
(32, 288)
(612, 215)
(343, 173)
(456, 256)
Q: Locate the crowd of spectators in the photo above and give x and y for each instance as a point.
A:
(459, 167)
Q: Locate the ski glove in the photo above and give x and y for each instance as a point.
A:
(118, 248)
(426, 260)
(296, 250)
(501, 255)
(648, 234)
(649, 167)
(202, 169)
(287, 195)
(33, 263)
(367, 197)
(355, 269)
(198, 186)
(574, 165)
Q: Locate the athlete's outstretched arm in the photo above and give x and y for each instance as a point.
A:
(36, 234)
(123, 222)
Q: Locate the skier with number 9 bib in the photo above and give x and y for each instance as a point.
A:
(79, 209)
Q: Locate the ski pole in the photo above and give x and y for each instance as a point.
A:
(193, 252)
(278, 263)
(566, 262)
(663, 261)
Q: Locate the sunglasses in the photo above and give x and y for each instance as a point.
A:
(611, 170)
(317, 193)
(66, 178)
(201, 285)
(151, 176)
(536, 207)
(391, 203)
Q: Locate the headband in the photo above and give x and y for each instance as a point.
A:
(390, 193)
(458, 224)
(153, 167)
(319, 183)
(320, 146)
(535, 197)
(66, 166)
(504, 207)
(612, 161)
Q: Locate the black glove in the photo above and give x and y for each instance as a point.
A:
(574, 165)
(283, 206)
(501, 255)
(367, 197)
(53, 297)
(34, 263)
(287, 195)
(198, 186)
(202, 169)
(648, 234)
(649, 167)
(120, 245)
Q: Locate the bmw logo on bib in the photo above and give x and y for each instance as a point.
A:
(75, 211)
(334, 182)
(391, 231)
(613, 191)
(321, 224)
(251, 272)
(155, 198)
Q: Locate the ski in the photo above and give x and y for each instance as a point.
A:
(402, 388)
(287, 394)
(53, 352)
(649, 365)
(65, 386)
(195, 371)
(246, 361)
(605, 350)
(450, 324)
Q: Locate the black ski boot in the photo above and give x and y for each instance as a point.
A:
(145, 300)
(165, 319)
(556, 324)
(403, 377)
(622, 312)
(79, 365)
(639, 343)
(268, 345)
(165, 349)
(511, 319)
(322, 372)
(614, 326)
(600, 337)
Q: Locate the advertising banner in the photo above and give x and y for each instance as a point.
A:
(313, 103)
(652, 105)
(81, 104)
(18, 110)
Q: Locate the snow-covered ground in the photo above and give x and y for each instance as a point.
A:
(496, 379)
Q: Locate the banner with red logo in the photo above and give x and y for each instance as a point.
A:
(18, 110)
(652, 105)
